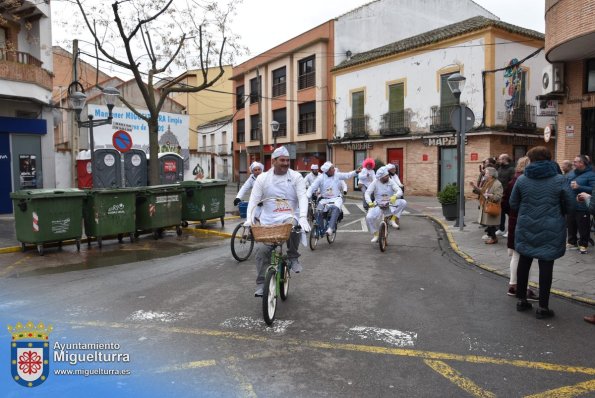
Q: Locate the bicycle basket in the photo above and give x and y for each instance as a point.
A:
(271, 233)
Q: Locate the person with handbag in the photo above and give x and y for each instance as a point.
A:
(490, 195)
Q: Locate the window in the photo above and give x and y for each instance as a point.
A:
(307, 121)
(280, 115)
(241, 130)
(357, 104)
(254, 90)
(307, 73)
(254, 128)
(204, 142)
(590, 76)
(240, 100)
(279, 82)
(2, 38)
(396, 97)
(213, 140)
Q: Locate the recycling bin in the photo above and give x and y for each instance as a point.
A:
(158, 207)
(203, 200)
(48, 215)
(109, 212)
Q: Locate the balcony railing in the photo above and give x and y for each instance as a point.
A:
(307, 125)
(357, 127)
(255, 134)
(441, 118)
(222, 149)
(306, 80)
(209, 148)
(395, 123)
(282, 132)
(241, 136)
(23, 67)
(19, 57)
(279, 89)
(522, 118)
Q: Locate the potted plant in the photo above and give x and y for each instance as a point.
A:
(448, 197)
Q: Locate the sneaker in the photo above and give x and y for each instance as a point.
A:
(511, 290)
(393, 224)
(329, 231)
(491, 241)
(375, 238)
(582, 249)
(523, 305)
(532, 296)
(505, 234)
(485, 237)
(543, 313)
(499, 233)
(259, 290)
(570, 246)
(295, 265)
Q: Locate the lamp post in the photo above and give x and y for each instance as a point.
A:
(77, 102)
(275, 128)
(456, 83)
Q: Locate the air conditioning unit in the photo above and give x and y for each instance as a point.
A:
(552, 79)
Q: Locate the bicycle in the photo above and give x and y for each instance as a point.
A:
(242, 242)
(383, 228)
(318, 231)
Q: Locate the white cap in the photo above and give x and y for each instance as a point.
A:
(326, 167)
(391, 166)
(281, 151)
(383, 171)
(256, 164)
(314, 167)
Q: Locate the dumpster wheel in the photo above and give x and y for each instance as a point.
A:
(78, 245)
(132, 237)
(120, 238)
(222, 221)
(23, 247)
(185, 224)
(40, 250)
(99, 242)
(179, 230)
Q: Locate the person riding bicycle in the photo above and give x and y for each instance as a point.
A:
(256, 169)
(329, 184)
(401, 203)
(386, 192)
(288, 188)
(312, 176)
(365, 178)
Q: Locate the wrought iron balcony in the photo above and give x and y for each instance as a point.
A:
(522, 118)
(357, 127)
(395, 123)
(254, 134)
(23, 67)
(306, 80)
(222, 149)
(441, 118)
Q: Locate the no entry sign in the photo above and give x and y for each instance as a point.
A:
(122, 141)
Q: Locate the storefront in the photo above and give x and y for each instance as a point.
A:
(302, 155)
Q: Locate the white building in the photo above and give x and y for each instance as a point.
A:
(26, 119)
(214, 156)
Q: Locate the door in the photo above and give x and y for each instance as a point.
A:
(448, 166)
(26, 161)
(5, 182)
(588, 133)
(358, 159)
(395, 156)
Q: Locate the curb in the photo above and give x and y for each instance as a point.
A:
(455, 247)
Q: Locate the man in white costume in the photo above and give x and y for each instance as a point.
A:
(330, 187)
(255, 170)
(365, 178)
(401, 203)
(289, 187)
(385, 192)
(312, 176)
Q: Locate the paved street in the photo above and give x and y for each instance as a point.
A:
(417, 320)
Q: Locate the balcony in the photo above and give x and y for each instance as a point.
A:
(222, 149)
(357, 127)
(306, 80)
(23, 67)
(440, 116)
(241, 136)
(209, 148)
(395, 123)
(255, 134)
(282, 132)
(522, 118)
(307, 124)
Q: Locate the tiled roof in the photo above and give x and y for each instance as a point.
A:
(436, 36)
(221, 120)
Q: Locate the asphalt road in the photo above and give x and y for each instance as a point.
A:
(415, 321)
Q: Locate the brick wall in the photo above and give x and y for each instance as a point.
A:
(568, 19)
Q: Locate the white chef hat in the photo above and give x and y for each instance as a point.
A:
(391, 166)
(256, 164)
(326, 167)
(281, 151)
(383, 171)
(314, 167)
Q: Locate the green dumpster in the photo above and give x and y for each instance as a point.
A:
(48, 215)
(203, 200)
(109, 212)
(159, 207)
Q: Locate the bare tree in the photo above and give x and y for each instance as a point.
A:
(156, 35)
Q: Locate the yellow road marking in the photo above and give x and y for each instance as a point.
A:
(458, 379)
(567, 391)
(208, 232)
(352, 347)
(245, 386)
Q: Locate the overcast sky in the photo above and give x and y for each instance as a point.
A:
(263, 24)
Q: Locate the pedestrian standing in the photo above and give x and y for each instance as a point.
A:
(506, 171)
(590, 199)
(490, 191)
(581, 179)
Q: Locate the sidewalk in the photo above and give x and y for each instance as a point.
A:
(574, 274)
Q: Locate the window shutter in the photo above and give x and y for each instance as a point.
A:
(446, 96)
(357, 104)
(396, 98)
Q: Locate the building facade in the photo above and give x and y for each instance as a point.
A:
(26, 114)
(394, 103)
(214, 157)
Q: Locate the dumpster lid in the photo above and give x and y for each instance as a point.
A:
(94, 191)
(162, 188)
(162, 154)
(47, 193)
(203, 182)
(84, 155)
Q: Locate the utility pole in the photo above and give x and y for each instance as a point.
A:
(74, 130)
(260, 129)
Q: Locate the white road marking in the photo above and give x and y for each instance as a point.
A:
(141, 315)
(246, 322)
(393, 337)
(361, 207)
(345, 211)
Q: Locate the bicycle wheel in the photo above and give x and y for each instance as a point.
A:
(382, 235)
(331, 238)
(314, 237)
(269, 297)
(241, 243)
(284, 285)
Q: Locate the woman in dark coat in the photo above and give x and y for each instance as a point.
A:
(538, 197)
(589, 200)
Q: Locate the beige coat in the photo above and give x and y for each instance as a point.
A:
(497, 190)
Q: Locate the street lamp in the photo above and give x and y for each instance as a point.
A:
(77, 102)
(275, 128)
(456, 83)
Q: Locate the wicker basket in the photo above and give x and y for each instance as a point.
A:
(271, 233)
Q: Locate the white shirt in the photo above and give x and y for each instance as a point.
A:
(290, 187)
(310, 179)
(330, 187)
(383, 192)
(246, 187)
(365, 177)
(396, 179)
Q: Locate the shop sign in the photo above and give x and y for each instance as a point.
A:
(359, 146)
(570, 131)
(520, 140)
(442, 141)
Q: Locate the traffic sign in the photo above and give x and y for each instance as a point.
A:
(468, 118)
(122, 141)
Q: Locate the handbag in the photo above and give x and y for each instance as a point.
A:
(491, 208)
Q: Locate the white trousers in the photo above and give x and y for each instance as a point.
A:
(375, 215)
(401, 205)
